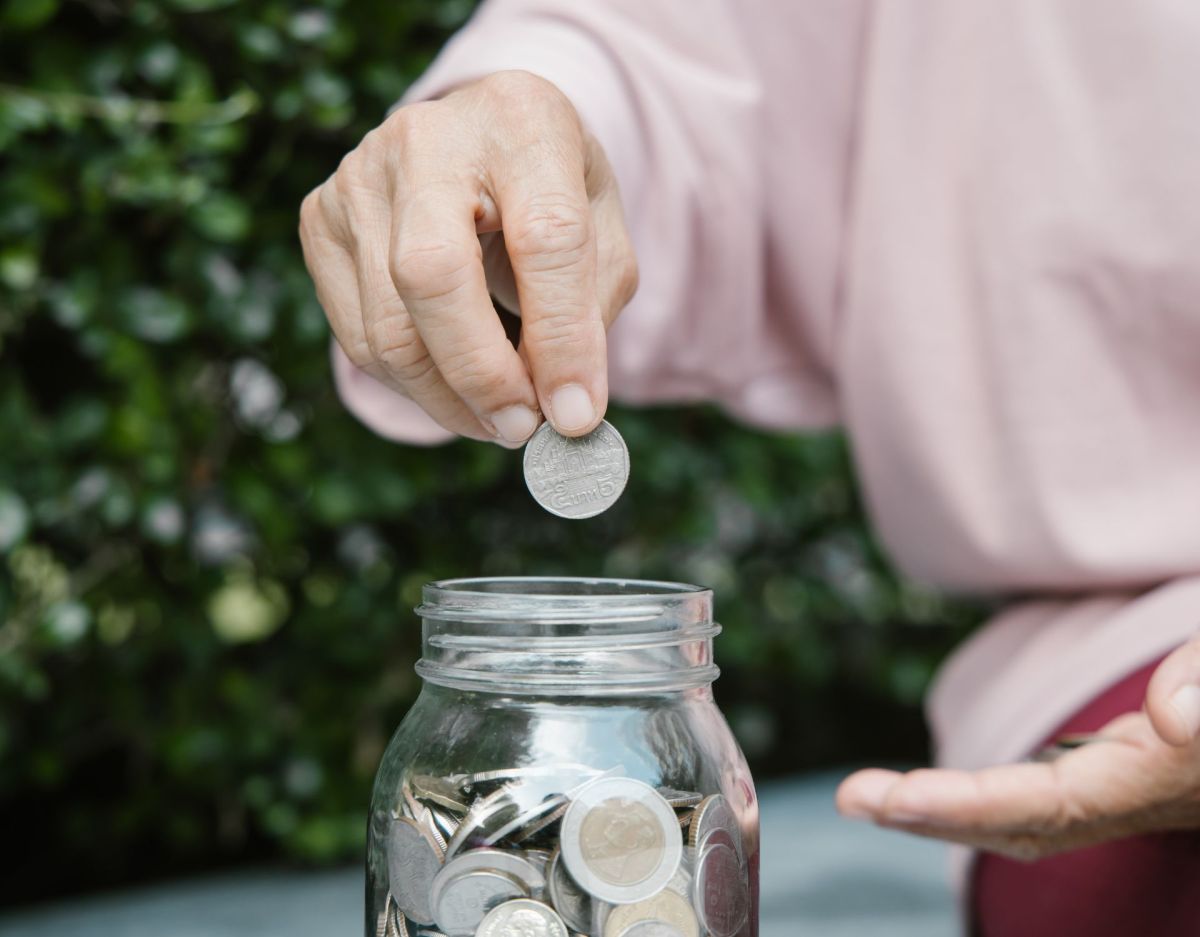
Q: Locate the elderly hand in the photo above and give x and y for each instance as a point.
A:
(1142, 776)
(494, 188)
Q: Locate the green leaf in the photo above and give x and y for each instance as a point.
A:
(27, 14)
(14, 520)
(222, 217)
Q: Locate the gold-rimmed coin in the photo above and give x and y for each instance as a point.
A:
(620, 840)
(667, 906)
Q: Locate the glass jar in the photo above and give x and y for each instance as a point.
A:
(564, 770)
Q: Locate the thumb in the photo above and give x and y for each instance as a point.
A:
(1173, 696)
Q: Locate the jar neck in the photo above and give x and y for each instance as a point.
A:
(567, 637)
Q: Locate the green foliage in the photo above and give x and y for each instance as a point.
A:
(207, 568)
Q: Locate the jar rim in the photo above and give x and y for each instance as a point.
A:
(608, 590)
(537, 631)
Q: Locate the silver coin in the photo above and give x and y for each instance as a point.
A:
(414, 859)
(719, 890)
(512, 864)
(714, 813)
(446, 823)
(620, 840)
(576, 477)
(397, 924)
(667, 907)
(680, 799)
(464, 900)
(381, 922)
(485, 816)
(530, 820)
(569, 900)
(442, 792)
(522, 918)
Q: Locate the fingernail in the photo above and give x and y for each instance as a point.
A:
(515, 424)
(1186, 702)
(571, 408)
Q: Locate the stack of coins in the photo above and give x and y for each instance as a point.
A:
(561, 851)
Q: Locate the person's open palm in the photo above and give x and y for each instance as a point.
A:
(1141, 776)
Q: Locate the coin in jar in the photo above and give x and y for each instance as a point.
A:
(513, 864)
(440, 791)
(719, 890)
(576, 477)
(486, 815)
(680, 799)
(667, 906)
(462, 903)
(414, 858)
(529, 821)
(522, 917)
(714, 813)
(397, 926)
(572, 903)
(620, 840)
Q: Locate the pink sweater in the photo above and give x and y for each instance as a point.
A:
(967, 232)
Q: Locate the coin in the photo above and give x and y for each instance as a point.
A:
(486, 815)
(397, 925)
(442, 792)
(714, 813)
(569, 900)
(576, 477)
(381, 923)
(667, 906)
(522, 918)
(620, 840)
(414, 858)
(680, 799)
(512, 864)
(446, 824)
(529, 821)
(719, 891)
(464, 900)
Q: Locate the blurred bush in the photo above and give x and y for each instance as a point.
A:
(207, 568)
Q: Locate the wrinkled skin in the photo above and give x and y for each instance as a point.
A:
(494, 189)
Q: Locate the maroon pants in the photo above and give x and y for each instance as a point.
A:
(1145, 885)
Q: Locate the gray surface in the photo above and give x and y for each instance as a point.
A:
(821, 875)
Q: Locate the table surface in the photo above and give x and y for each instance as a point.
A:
(821, 875)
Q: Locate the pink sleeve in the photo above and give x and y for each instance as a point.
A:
(676, 102)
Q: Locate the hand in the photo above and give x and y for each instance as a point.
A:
(496, 187)
(1142, 777)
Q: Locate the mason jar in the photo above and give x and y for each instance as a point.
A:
(564, 770)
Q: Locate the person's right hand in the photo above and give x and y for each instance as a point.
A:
(495, 187)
